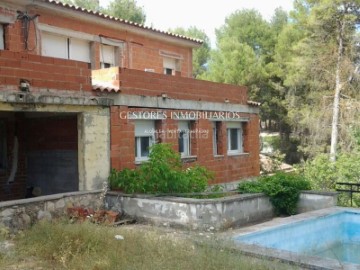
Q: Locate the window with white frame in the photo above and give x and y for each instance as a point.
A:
(59, 46)
(144, 138)
(107, 56)
(169, 65)
(234, 137)
(2, 35)
(184, 138)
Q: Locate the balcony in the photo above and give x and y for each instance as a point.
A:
(141, 83)
(75, 78)
(43, 73)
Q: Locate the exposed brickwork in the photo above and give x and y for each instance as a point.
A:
(226, 168)
(140, 52)
(51, 133)
(136, 82)
(44, 72)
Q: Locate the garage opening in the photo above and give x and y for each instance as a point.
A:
(38, 154)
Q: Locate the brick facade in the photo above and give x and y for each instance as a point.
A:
(227, 168)
(137, 77)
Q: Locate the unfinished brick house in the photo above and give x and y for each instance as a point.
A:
(82, 92)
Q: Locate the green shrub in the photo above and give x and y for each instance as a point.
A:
(324, 174)
(162, 173)
(250, 187)
(282, 188)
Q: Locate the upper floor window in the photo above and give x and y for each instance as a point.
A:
(184, 138)
(234, 137)
(65, 47)
(170, 65)
(107, 56)
(144, 138)
(2, 35)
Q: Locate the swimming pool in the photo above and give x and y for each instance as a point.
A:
(329, 234)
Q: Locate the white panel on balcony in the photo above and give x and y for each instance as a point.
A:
(54, 46)
(79, 50)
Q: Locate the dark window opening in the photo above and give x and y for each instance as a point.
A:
(216, 142)
(168, 71)
(105, 65)
(3, 145)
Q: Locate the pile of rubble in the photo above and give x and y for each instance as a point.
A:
(80, 214)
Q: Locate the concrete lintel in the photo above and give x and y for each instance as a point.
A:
(52, 99)
(180, 104)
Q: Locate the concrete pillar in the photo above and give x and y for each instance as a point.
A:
(94, 148)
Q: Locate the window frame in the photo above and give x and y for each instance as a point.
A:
(2, 36)
(184, 128)
(141, 126)
(138, 149)
(238, 126)
(215, 138)
(169, 65)
(68, 45)
(103, 57)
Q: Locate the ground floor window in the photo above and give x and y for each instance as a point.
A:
(184, 138)
(234, 137)
(144, 138)
(215, 128)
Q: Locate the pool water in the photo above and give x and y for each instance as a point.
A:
(335, 236)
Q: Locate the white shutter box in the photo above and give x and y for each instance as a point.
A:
(79, 50)
(144, 128)
(54, 46)
(169, 63)
(107, 54)
(233, 124)
(183, 125)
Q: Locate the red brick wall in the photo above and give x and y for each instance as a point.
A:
(44, 72)
(140, 52)
(51, 133)
(226, 168)
(136, 82)
(35, 134)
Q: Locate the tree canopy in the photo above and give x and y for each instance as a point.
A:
(124, 9)
(200, 55)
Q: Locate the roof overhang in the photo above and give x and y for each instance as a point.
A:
(109, 21)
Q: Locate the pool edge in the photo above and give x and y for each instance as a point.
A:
(309, 262)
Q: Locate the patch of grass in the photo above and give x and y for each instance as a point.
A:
(62, 245)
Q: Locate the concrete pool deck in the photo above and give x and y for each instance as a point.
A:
(304, 261)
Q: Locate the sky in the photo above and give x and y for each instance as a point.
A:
(206, 15)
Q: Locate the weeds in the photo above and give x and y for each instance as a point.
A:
(62, 245)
